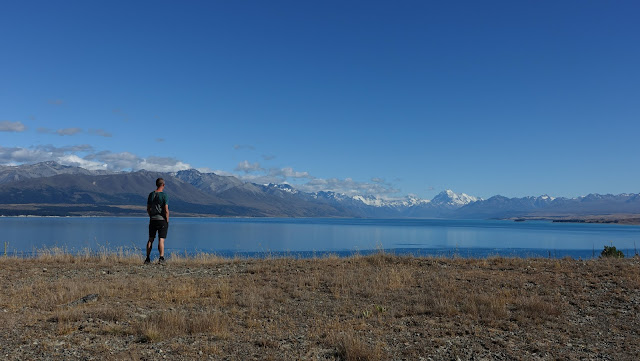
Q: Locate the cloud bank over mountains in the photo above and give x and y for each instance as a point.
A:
(305, 182)
(87, 157)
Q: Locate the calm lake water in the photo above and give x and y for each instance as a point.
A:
(316, 236)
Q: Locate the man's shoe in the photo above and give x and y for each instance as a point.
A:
(161, 260)
(147, 261)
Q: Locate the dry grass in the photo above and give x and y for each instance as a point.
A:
(374, 307)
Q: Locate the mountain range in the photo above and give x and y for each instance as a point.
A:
(50, 188)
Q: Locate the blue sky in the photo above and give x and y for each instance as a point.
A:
(387, 98)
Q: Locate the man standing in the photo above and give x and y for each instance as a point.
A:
(158, 210)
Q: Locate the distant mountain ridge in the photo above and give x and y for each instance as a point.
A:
(52, 189)
(39, 170)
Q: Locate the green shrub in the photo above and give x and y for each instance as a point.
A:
(611, 252)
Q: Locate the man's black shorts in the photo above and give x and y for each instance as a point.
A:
(160, 226)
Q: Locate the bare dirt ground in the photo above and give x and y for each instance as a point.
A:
(380, 307)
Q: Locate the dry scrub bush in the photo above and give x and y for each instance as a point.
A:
(104, 256)
(167, 324)
(350, 347)
(537, 308)
(485, 307)
(199, 259)
(45, 295)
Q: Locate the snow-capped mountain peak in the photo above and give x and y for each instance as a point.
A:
(408, 201)
(452, 199)
(284, 187)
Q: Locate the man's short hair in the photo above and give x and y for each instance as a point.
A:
(159, 182)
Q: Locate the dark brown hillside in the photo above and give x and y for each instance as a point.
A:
(121, 189)
(127, 192)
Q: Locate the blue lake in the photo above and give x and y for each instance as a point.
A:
(316, 236)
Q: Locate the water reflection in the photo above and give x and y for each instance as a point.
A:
(250, 235)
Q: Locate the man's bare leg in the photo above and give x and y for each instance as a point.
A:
(161, 247)
(149, 246)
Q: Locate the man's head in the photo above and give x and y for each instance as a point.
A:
(159, 182)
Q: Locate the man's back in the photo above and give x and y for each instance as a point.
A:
(156, 203)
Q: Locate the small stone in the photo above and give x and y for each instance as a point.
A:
(44, 270)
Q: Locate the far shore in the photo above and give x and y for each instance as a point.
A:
(623, 219)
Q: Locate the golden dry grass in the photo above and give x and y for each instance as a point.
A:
(376, 307)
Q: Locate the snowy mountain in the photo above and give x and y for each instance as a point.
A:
(53, 189)
(282, 187)
(43, 169)
(373, 201)
(451, 199)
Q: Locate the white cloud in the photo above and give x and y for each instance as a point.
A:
(74, 131)
(116, 161)
(41, 153)
(254, 173)
(130, 161)
(223, 173)
(247, 167)
(80, 148)
(8, 126)
(260, 179)
(85, 157)
(121, 114)
(23, 155)
(100, 132)
(163, 164)
(205, 170)
(347, 186)
(61, 132)
(307, 183)
(288, 173)
(244, 146)
(75, 161)
(68, 131)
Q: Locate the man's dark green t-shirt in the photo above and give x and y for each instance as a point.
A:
(161, 200)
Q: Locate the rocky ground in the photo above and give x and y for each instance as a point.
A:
(380, 307)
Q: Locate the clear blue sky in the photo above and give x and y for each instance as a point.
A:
(390, 98)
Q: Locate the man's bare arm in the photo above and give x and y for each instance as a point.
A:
(166, 212)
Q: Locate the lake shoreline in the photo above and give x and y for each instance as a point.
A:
(631, 219)
(374, 307)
